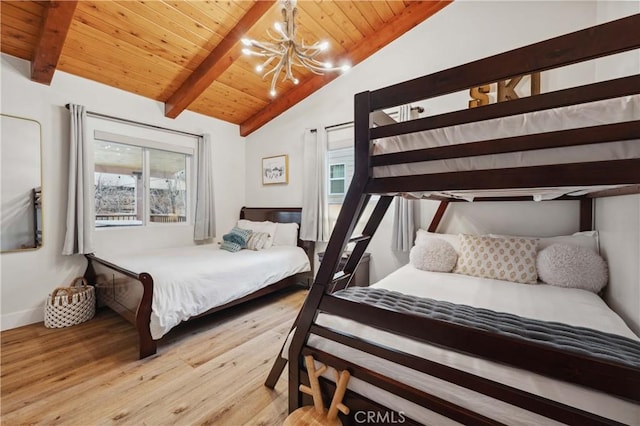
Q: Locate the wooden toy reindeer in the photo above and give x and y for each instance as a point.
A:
(318, 415)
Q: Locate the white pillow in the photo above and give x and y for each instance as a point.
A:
(433, 254)
(568, 265)
(266, 226)
(257, 240)
(588, 239)
(423, 235)
(286, 234)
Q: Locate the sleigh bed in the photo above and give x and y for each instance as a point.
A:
(158, 289)
(408, 366)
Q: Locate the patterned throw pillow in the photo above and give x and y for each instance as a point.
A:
(266, 226)
(235, 240)
(509, 259)
(257, 240)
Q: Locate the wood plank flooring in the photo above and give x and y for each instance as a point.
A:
(208, 371)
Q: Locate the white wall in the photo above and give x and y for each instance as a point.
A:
(461, 32)
(27, 277)
(618, 223)
(618, 218)
(622, 64)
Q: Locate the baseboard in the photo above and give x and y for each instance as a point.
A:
(18, 319)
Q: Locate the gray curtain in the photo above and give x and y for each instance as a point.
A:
(404, 209)
(80, 199)
(315, 208)
(205, 224)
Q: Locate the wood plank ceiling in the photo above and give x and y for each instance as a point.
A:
(187, 54)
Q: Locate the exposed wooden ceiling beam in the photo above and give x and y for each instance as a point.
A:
(412, 15)
(221, 58)
(56, 22)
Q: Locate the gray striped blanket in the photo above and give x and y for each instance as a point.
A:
(569, 338)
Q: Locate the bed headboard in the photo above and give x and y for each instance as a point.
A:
(282, 215)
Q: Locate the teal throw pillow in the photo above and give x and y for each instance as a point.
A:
(235, 240)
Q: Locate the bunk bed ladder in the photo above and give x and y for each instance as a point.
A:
(355, 202)
(349, 215)
(329, 266)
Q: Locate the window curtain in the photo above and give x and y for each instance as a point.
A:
(205, 223)
(80, 199)
(404, 209)
(315, 208)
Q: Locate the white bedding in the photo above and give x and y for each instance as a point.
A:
(590, 114)
(191, 280)
(543, 302)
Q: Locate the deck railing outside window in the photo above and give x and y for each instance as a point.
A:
(118, 219)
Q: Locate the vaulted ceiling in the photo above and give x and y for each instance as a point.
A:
(187, 54)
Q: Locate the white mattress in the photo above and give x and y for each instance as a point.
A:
(191, 280)
(576, 116)
(543, 302)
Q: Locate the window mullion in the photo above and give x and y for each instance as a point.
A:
(146, 173)
(189, 178)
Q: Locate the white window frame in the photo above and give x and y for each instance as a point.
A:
(147, 145)
(343, 178)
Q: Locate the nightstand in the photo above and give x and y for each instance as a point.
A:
(360, 276)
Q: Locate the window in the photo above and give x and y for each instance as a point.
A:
(167, 186)
(339, 173)
(336, 179)
(137, 184)
(340, 168)
(118, 186)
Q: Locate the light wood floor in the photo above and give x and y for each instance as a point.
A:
(210, 371)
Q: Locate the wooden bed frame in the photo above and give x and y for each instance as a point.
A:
(130, 294)
(591, 372)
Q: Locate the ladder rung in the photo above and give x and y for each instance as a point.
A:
(339, 280)
(360, 238)
(340, 275)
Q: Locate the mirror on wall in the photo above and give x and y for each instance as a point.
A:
(20, 184)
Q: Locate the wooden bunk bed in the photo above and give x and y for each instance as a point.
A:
(601, 375)
(131, 294)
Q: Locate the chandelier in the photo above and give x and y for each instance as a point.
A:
(284, 52)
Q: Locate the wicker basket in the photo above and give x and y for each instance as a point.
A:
(67, 306)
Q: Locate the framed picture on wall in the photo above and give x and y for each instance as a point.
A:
(275, 169)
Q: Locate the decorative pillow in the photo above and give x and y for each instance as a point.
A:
(230, 246)
(434, 255)
(266, 226)
(423, 235)
(235, 240)
(509, 259)
(567, 265)
(286, 234)
(257, 240)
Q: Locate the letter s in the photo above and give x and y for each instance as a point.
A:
(479, 96)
